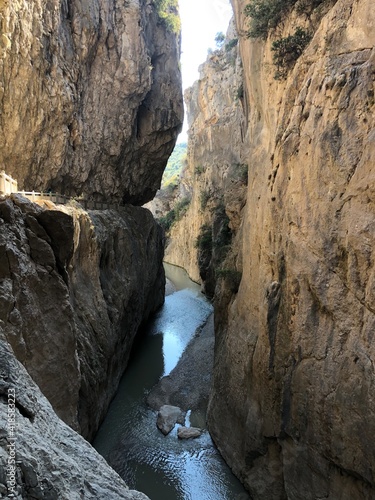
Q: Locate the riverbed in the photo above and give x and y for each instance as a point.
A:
(164, 467)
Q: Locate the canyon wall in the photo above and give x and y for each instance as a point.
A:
(292, 407)
(90, 95)
(75, 287)
(51, 460)
(91, 105)
(215, 178)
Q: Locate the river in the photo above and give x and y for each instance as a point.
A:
(164, 467)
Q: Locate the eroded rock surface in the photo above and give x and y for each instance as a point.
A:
(294, 366)
(52, 461)
(90, 96)
(74, 289)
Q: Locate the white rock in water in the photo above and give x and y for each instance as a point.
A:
(168, 416)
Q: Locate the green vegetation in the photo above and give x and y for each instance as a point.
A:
(287, 50)
(232, 43)
(221, 222)
(204, 240)
(168, 12)
(242, 171)
(174, 215)
(307, 6)
(199, 169)
(204, 197)
(219, 39)
(265, 15)
(174, 166)
(231, 276)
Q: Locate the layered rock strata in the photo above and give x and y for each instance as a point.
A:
(90, 95)
(74, 288)
(41, 456)
(294, 361)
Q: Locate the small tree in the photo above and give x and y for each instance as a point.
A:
(219, 39)
(265, 15)
(287, 50)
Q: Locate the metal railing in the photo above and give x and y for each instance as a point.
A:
(8, 185)
(60, 199)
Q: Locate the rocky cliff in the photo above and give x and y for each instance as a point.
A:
(91, 104)
(292, 406)
(42, 457)
(90, 96)
(214, 182)
(75, 287)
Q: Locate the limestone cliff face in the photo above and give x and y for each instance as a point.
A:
(294, 377)
(52, 461)
(215, 177)
(90, 96)
(74, 289)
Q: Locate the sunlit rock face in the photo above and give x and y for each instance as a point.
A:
(292, 406)
(90, 97)
(74, 288)
(215, 177)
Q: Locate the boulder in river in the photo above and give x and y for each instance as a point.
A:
(168, 416)
(188, 432)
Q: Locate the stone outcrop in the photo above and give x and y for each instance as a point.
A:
(74, 288)
(294, 360)
(168, 417)
(188, 432)
(90, 97)
(51, 460)
(215, 177)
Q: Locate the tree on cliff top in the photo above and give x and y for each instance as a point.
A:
(168, 12)
(265, 15)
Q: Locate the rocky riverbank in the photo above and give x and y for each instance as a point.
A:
(188, 384)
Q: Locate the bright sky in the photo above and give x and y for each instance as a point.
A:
(201, 20)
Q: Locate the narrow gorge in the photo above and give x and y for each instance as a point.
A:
(91, 106)
(280, 231)
(273, 214)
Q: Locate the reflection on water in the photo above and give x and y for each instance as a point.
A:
(183, 312)
(163, 467)
(180, 278)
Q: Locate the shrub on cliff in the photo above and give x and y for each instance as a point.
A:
(174, 215)
(287, 50)
(204, 240)
(223, 234)
(204, 198)
(168, 12)
(265, 15)
(219, 39)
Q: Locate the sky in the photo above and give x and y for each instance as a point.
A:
(201, 20)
